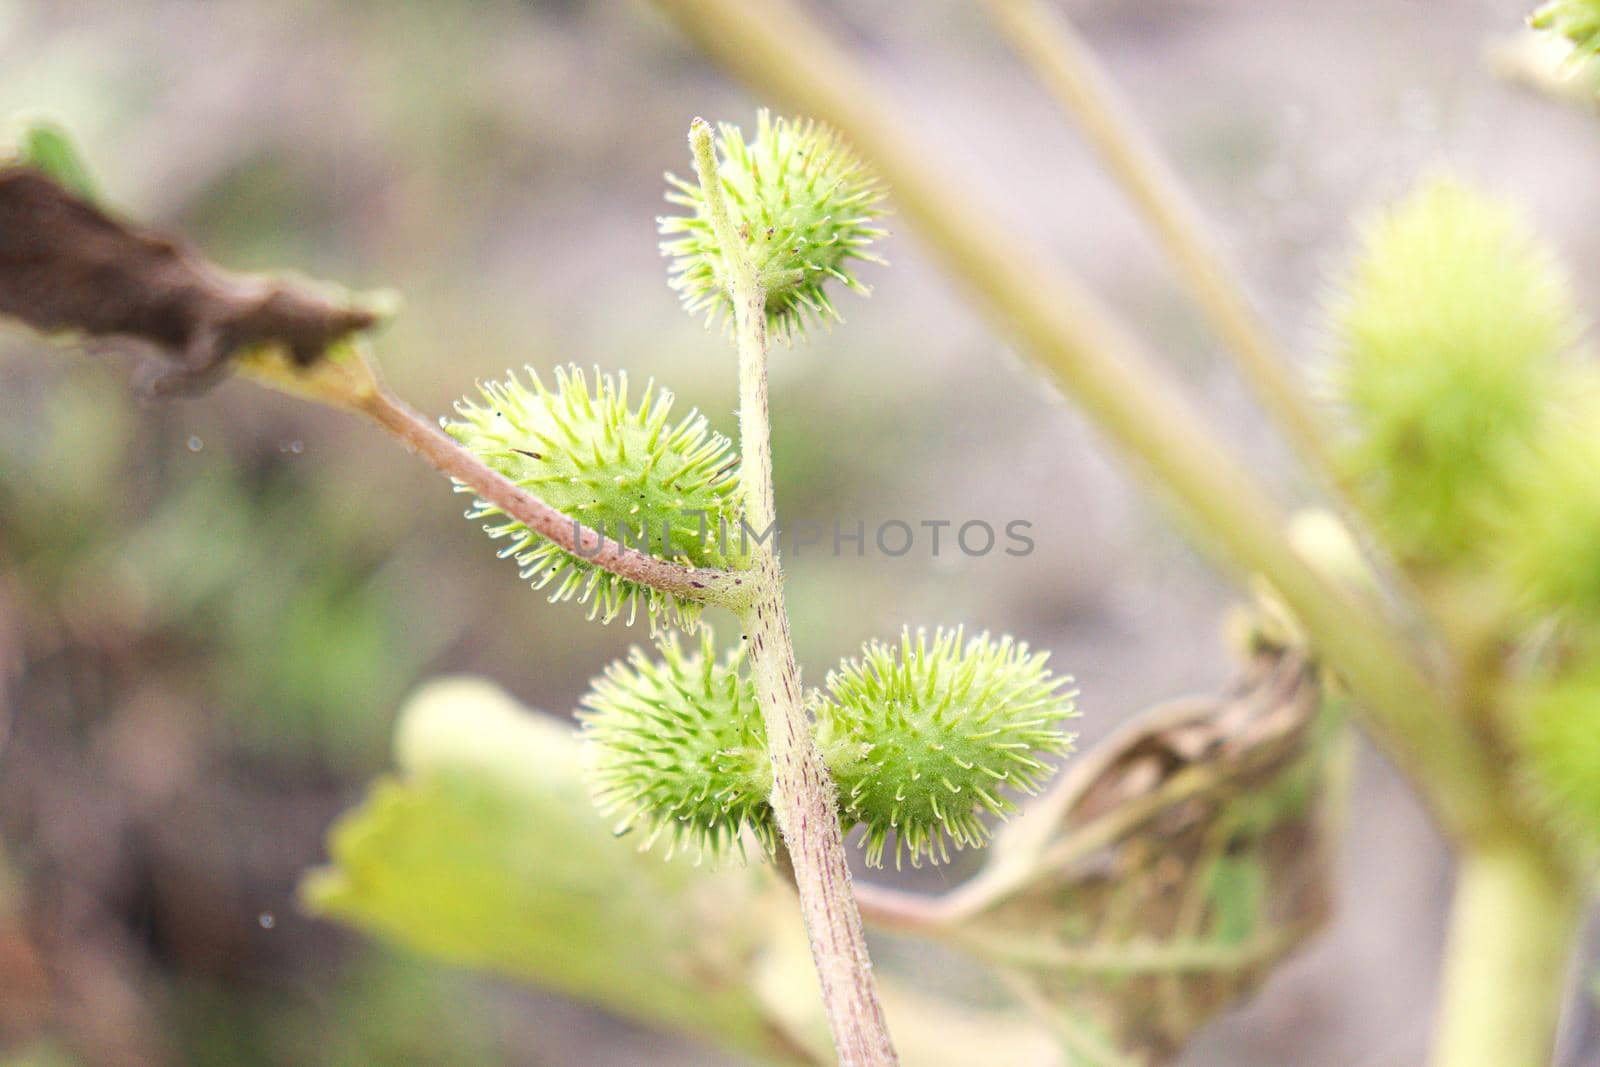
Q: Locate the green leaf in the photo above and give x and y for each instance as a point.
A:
(484, 850)
(1237, 893)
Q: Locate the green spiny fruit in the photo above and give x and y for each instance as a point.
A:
(678, 745)
(628, 471)
(1576, 20)
(924, 737)
(1550, 536)
(804, 205)
(1559, 738)
(1448, 329)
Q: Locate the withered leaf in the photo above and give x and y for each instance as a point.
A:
(67, 265)
(1180, 862)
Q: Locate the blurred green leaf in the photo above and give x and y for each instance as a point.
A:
(311, 625)
(61, 450)
(388, 1011)
(41, 1054)
(485, 850)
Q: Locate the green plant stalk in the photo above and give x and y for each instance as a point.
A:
(1507, 957)
(1087, 1048)
(803, 794)
(774, 46)
(1068, 68)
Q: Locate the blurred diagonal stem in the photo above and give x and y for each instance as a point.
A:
(1069, 69)
(803, 793)
(1047, 40)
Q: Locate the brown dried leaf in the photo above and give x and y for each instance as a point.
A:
(1177, 864)
(66, 265)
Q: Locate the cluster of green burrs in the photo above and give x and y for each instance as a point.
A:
(803, 205)
(1475, 441)
(925, 738)
(625, 469)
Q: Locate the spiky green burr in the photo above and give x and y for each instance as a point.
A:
(1448, 331)
(927, 736)
(1559, 736)
(676, 745)
(628, 470)
(804, 206)
(1576, 20)
(1549, 538)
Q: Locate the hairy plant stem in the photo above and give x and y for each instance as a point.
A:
(702, 585)
(803, 793)
(1507, 958)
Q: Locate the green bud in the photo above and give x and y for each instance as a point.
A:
(1448, 329)
(925, 737)
(803, 204)
(626, 470)
(1550, 534)
(677, 745)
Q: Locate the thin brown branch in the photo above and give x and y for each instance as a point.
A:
(65, 264)
(698, 584)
